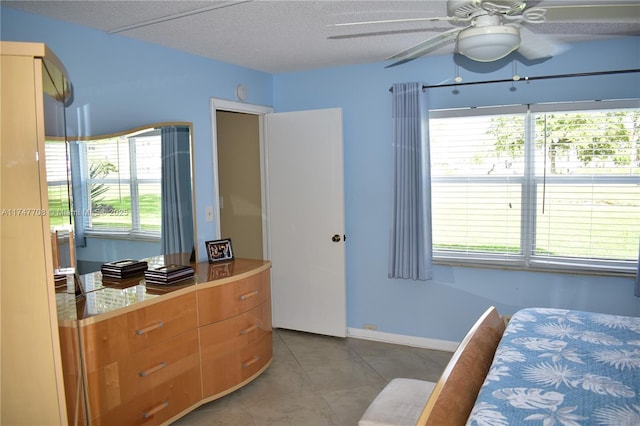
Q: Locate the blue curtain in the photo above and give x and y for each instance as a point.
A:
(410, 247)
(78, 187)
(177, 208)
(637, 291)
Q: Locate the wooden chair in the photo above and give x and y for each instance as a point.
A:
(454, 394)
(449, 401)
(61, 238)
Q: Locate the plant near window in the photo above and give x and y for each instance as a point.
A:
(100, 170)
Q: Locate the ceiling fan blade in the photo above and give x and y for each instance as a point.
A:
(621, 12)
(399, 21)
(537, 46)
(384, 33)
(423, 47)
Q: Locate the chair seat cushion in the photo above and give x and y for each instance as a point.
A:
(400, 403)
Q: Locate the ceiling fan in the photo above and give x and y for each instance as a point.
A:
(495, 28)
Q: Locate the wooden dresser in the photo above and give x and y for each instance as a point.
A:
(150, 355)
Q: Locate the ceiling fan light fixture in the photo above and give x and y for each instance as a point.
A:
(488, 43)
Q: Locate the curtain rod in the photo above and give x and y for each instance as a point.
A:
(544, 77)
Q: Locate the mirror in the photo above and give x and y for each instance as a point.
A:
(127, 195)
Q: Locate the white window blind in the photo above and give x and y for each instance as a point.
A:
(553, 186)
(587, 185)
(108, 184)
(124, 184)
(60, 209)
(148, 171)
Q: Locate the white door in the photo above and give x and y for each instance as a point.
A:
(306, 220)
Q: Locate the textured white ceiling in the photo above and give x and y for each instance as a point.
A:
(282, 36)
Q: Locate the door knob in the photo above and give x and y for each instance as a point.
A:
(335, 238)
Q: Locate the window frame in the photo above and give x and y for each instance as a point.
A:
(134, 231)
(527, 259)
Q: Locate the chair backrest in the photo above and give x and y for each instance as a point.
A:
(455, 393)
(64, 248)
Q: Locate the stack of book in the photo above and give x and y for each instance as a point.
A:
(168, 274)
(60, 279)
(123, 268)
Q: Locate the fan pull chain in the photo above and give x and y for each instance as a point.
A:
(515, 77)
(458, 79)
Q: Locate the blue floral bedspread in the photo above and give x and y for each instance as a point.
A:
(562, 367)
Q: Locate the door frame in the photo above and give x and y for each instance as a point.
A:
(218, 104)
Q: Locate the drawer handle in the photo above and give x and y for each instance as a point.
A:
(248, 295)
(155, 409)
(153, 369)
(248, 329)
(150, 328)
(252, 361)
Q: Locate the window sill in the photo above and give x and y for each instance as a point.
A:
(124, 236)
(550, 270)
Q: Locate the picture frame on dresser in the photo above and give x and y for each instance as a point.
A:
(219, 250)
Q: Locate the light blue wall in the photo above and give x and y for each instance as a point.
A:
(445, 307)
(98, 249)
(122, 81)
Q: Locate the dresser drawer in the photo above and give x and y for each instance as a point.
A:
(226, 371)
(255, 357)
(235, 333)
(120, 336)
(165, 377)
(228, 300)
(157, 406)
(222, 371)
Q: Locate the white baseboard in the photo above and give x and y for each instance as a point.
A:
(399, 339)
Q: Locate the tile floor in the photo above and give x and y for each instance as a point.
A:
(318, 380)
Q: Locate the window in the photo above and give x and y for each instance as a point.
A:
(545, 186)
(56, 155)
(122, 190)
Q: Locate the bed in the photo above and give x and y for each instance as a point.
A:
(548, 367)
(556, 366)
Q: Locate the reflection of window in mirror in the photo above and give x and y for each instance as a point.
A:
(121, 179)
(57, 159)
(126, 194)
(122, 188)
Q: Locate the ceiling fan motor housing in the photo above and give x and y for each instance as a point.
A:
(487, 43)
